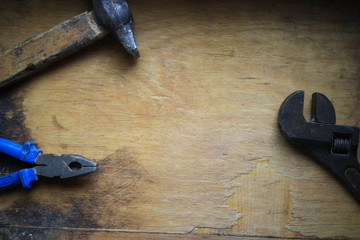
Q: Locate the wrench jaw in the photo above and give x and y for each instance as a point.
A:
(322, 110)
(315, 137)
(335, 146)
(291, 110)
(291, 118)
(321, 131)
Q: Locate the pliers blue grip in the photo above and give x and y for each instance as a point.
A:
(25, 153)
(47, 165)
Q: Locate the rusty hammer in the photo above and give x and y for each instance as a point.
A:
(67, 37)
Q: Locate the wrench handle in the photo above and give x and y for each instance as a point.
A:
(352, 181)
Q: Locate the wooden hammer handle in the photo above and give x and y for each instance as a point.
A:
(36, 53)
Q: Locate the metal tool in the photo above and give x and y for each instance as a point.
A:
(47, 165)
(335, 146)
(68, 37)
(116, 15)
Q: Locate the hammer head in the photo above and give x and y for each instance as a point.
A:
(116, 15)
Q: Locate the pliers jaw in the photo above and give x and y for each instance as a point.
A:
(64, 166)
(47, 165)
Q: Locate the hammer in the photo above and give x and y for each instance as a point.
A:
(67, 37)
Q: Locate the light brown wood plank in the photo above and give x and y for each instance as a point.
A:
(186, 137)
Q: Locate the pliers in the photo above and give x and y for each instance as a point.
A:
(47, 165)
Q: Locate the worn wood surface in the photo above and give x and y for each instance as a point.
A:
(49, 46)
(186, 137)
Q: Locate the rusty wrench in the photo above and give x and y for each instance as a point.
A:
(335, 146)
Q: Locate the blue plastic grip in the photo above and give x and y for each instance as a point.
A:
(29, 152)
(25, 153)
(9, 147)
(9, 180)
(25, 176)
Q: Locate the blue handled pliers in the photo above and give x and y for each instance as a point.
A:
(47, 165)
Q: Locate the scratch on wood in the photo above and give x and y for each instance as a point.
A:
(56, 123)
(157, 96)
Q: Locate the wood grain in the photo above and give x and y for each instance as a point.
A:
(23, 233)
(186, 137)
(48, 47)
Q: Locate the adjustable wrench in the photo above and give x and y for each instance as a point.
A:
(335, 146)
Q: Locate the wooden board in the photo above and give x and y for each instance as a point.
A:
(186, 137)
